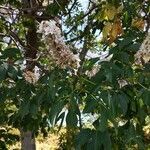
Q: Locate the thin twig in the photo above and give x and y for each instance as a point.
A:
(16, 38)
(69, 11)
(85, 15)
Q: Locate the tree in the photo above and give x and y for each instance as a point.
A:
(48, 74)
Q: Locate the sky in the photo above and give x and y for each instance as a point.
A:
(84, 3)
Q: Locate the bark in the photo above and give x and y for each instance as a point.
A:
(27, 137)
(27, 140)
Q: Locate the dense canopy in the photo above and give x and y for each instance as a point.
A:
(79, 64)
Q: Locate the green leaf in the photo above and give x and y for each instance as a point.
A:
(51, 87)
(82, 138)
(3, 93)
(122, 57)
(52, 9)
(24, 109)
(43, 79)
(125, 42)
(71, 118)
(96, 141)
(90, 105)
(91, 139)
(105, 137)
(60, 117)
(12, 72)
(89, 63)
(54, 111)
(134, 47)
(98, 77)
(146, 97)
(123, 101)
(101, 123)
(33, 110)
(2, 73)
(12, 53)
(3, 145)
(109, 76)
(114, 109)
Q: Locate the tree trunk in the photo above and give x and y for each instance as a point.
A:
(27, 137)
(27, 140)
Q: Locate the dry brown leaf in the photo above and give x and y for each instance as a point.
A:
(138, 23)
(115, 31)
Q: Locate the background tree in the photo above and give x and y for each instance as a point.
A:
(49, 75)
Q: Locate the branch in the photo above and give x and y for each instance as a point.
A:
(82, 56)
(7, 8)
(16, 38)
(69, 11)
(33, 9)
(43, 17)
(85, 15)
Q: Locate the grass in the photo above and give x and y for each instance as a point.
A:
(51, 142)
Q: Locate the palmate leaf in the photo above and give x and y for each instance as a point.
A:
(89, 139)
(38, 104)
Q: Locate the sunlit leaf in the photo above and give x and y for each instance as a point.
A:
(110, 12)
(116, 30)
(138, 23)
(106, 30)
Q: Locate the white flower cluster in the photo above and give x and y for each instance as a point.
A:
(30, 77)
(49, 27)
(143, 55)
(58, 50)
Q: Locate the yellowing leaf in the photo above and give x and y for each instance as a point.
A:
(110, 12)
(106, 30)
(115, 31)
(120, 9)
(102, 15)
(138, 23)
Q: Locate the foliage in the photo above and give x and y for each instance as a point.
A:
(116, 93)
(7, 137)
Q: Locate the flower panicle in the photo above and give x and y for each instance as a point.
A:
(59, 51)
